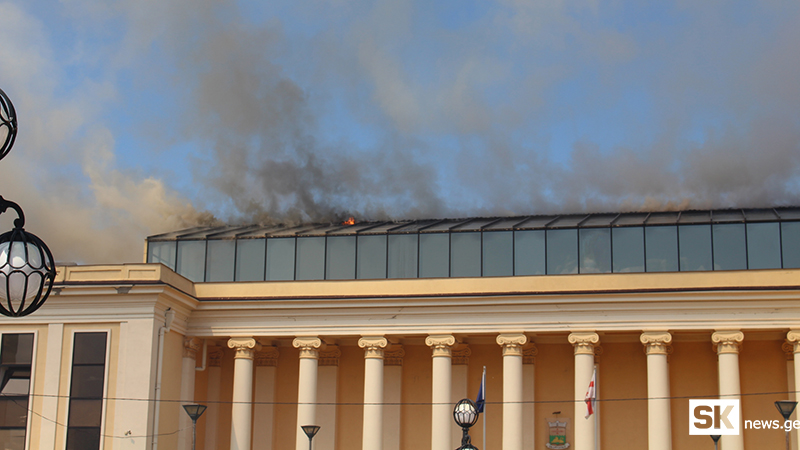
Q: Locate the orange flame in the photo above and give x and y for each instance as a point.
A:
(350, 221)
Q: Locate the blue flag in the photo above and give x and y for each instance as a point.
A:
(481, 400)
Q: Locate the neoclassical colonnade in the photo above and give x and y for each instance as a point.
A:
(381, 415)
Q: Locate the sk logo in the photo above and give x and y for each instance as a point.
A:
(709, 417)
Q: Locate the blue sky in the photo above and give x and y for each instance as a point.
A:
(139, 117)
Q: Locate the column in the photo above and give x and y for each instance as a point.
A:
(392, 395)
(584, 344)
(727, 344)
(793, 338)
(264, 409)
(528, 384)
(242, 408)
(214, 382)
(307, 386)
(52, 377)
(659, 427)
(327, 390)
(460, 361)
(442, 408)
(512, 389)
(372, 436)
(188, 363)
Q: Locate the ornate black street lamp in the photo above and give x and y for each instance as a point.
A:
(27, 269)
(194, 412)
(310, 431)
(466, 415)
(786, 408)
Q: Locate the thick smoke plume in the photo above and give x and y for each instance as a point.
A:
(316, 111)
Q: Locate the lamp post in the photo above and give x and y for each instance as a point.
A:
(715, 438)
(786, 408)
(310, 431)
(194, 412)
(27, 269)
(466, 415)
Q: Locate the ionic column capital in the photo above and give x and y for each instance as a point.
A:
(461, 354)
(529, 353)
(190, 347)
(393, 356)
(793, 337)
(656, 342)
(442, 344)
(215, 356)
(309, 346)
(727, 341)
(267, 357)
(512, 343)
(584, 342)
(373, 346)
(244, 347)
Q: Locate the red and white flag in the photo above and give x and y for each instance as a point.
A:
(591, 395)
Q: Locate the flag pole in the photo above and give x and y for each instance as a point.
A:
(483, 382)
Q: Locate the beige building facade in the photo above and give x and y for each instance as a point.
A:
(378, 364)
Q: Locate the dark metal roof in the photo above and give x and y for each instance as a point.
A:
(598, 220)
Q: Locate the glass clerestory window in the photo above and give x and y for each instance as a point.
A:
(16, 357)
(87, 389)
(623, 249)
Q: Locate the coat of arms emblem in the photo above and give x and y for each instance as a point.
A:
(557, 439)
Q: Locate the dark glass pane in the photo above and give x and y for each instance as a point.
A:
(87, 381)
(595, 250)
(730, 252)
(790, 244)
(162, 252)
(17, 348)
(12, 439)
(13, 411)
(465, 254)
(695, 247)
(764, 245)
(498, 254)
(529, 255)
(310, 264)
(90, 348)
(661, 248)
(434, 252)
(83, 438)
(628, 249)
(341, 258)
(562, 251)
(219, 266)
(192, 260)
(18, 381)
(85, 413)
(403, 256)
(250, 258)
(371, 257)
(280, 259)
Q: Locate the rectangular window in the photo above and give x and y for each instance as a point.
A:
(192, 260)
(498, 253)
(695, 247)
(764, 245)
(280, 259)
(434, 252)
(162, 252)
(595, 250)
(219, 264)
(465, 255)
(661, 248)
(790, 244)
(403, 255)
(86, 391)
(250, 259)
(371, 261)
(310, 264)
(562, 251)
(529, 252)
(627, 249)
(340, 259)
(730, 250)
(16, 356)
